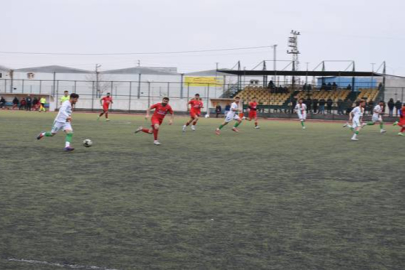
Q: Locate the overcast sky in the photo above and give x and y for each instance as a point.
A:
(365, 31)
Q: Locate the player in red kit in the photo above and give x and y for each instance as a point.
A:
(105, 102)
(161, 109)
(195, 112)
(401, 122)
(253, 112)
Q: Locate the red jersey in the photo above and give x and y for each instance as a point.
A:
(161, 111)
(196, 105)
(253, 106)
(106, 100)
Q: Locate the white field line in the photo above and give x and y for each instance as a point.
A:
(72, 266)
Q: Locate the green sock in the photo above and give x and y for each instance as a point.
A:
(357, 133)
(302, 123)
(48, 134)
(221, 126)
(237, 124)
(352, 129)
(370, 124)
(381, 125)
(69, 137)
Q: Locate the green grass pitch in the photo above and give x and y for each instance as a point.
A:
(275, 198)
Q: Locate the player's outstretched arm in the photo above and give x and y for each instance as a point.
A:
(171, 118)
(148, 112)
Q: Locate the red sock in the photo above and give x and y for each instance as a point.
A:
(187, 124)
(101, 114)
(402, 130)
(106, 115)
(194, 123)
(155, 133)
(145, 130)
(255, 124)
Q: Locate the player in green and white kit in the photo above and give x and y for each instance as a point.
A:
(377, 116)
(231, 115)
(301, 110)
(355, 116)
(63, 122)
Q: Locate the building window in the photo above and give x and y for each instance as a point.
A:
(30, 75)
(1, 75)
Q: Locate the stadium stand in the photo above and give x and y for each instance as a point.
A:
(335, 95)
(369, 94)
(264, 96)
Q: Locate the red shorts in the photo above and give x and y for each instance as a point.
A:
(401, 122)
(194, 114)
(155, 121)
(252, 114)
(105, 107)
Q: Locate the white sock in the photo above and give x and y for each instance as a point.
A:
(354, 136)
(67, 144)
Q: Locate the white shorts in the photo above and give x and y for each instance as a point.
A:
(376, 119)
(356, 123)
(58, 126)
(231, 117)
(302, 116)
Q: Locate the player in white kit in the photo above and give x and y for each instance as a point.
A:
(63, 122)
(301, 110)
(231, 115)
(377, 116)
(356, 116)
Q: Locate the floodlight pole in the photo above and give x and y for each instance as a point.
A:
(293, 44)
(274, 61)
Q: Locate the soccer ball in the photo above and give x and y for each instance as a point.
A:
(87, 143)
(207, 116)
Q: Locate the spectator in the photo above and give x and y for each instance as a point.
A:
(398, 106)
(227, 108)
(15, 102)
(340, 104)
(42, 103)
(391, 105)
(308, 102)
(329, 104)
(29, 103)
(323, 87)
(35, 103)
(23, 104)
(218, 110)
(334, 86)
(322, 103)
(370, 107)
(329, 87)
(349, 87)
(315, 105)
(2, 102)
(272, 85)
(293, 104)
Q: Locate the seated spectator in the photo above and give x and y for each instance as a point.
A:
(227, 108)
(218, 110)
(23, 103)
(323, 87)
(334, 86)
(349, 87)
(329, 87)
(15, 103)
(2, 102)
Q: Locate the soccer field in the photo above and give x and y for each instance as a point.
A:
(275, 198)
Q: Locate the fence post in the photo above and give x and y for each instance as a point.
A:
(139, 86)
(130, 96)
(57, 93)
(5, 86)
(40, 87)
(188, 92)
(181, 85)
(92, 96)
(22, 86)
(208, 98)
(148, 94)
(75, 87)
(168, 89)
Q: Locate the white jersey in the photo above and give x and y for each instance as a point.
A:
(357, 113)
(233, 110)
(65, 111)
(377, 111)
(301, 108)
